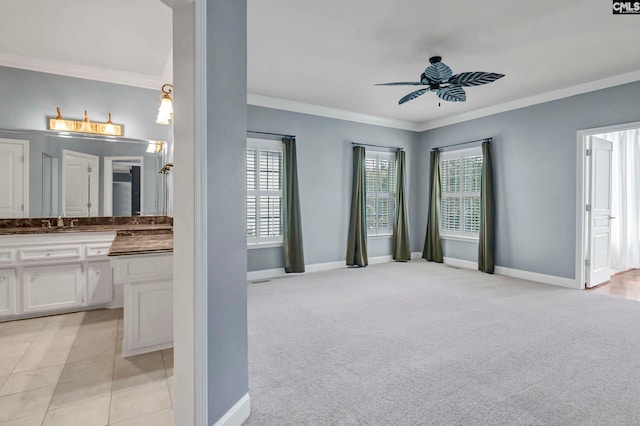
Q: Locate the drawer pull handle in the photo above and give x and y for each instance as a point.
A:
(34, 277)
(3, 278)
(98, 272)
(49, 253)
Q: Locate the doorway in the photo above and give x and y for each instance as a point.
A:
(608, 208)
(123, 186)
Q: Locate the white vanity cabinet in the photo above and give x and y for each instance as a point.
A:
(148, 301)
(54, 272)
(7, 292)
(52, 287)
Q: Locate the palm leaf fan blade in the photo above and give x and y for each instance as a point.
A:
(474, 78)
(413, 95)
(401, 83)
(452, 94)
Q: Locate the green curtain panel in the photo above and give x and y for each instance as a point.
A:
(357, 239)
(292, 229)
(432, 244)
(400, 240)
(487, 239)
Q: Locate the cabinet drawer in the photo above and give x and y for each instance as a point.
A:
(51, 253)
(98, 250)
(7, 256)
(140, 268)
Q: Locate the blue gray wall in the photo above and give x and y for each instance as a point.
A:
(534, 157)
(29, 97)
(324, 175)
(226, 97)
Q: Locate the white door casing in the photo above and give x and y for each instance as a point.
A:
(599, 214)
(80, 184)
(14, 175)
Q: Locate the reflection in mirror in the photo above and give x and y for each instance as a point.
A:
(49, 174)
(123, 186)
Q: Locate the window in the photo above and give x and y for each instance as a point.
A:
(460, 199)
(264, 191)
(381, 192)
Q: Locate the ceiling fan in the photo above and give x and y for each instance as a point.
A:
(439, 78)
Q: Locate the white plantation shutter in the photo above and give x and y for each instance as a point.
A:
(380, 170)
(264, 191)
(460, 172)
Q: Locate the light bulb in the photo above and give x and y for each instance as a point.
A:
(163, 118)
(86, 124)
(60, 123)
(166, 105)
(108, 128)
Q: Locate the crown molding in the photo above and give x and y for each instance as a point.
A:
(592, 86)
(82, 71)
(304, 108)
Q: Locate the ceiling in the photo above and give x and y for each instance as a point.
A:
(115, 40)
(330, 53)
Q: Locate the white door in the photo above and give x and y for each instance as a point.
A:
(14, 177)
(599, 217)
(80, 184)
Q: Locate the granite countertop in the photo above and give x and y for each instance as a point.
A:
(84, 228)
(134, 235)
(84, 224)
(130, 243)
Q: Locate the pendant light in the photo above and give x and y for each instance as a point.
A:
(165, 110)
(60, 124)
(86, 124)
(109, 128)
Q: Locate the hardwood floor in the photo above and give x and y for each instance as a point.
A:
(625, 284)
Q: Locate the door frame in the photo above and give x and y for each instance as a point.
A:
(582, 196)
(62, 191)
(25, 170)
(107, 197)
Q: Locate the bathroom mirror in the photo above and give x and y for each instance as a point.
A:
(48, 174)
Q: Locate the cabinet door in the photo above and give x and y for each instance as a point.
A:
(53, 287)
(7, 292)
(100, 284)
(148, 316)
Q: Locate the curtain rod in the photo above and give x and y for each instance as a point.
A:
(376, 146)
(271, 134)
(463, 143)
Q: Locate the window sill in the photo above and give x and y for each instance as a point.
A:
(460, 238)
(254, 246)
(379, 237)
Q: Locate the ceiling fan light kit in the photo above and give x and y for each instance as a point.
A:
(439, 78)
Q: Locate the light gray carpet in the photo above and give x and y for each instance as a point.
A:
(423, 344)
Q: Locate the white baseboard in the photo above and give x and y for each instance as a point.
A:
(236, 414)
(380, 259)
(326, 266)
(459, 263)
(516, 273)
(266, 274)
(537, 277)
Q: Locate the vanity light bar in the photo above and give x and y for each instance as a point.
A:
(85, 126)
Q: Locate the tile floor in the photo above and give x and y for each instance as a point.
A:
(625, 284)
(68, 370)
